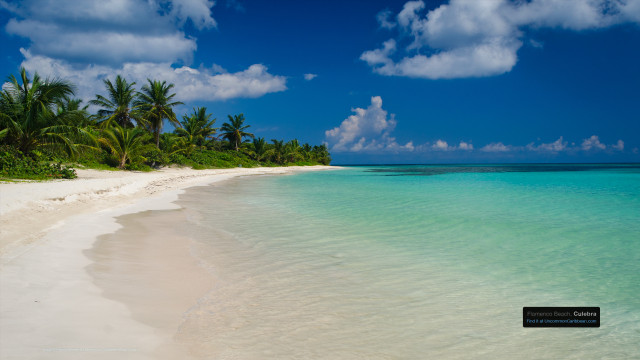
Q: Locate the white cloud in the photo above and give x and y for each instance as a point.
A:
(383, 19)
(441, 145)
(496, 147)
(556, 146)
(465, 146)
(103, 47)
(199, 11)
(592, 143)
(190, 83)
(481, 38)
(572, 15)
(482, 60)
(380, 57)
(631, 10)
(90, 40)
(310, 77)
(619, 145)
(368, 130)
(110, 32)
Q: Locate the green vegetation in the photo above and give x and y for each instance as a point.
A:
(14, 164)
(117, 107)
(45, 132)
(234, 130)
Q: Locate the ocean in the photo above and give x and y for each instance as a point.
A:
(416, 262)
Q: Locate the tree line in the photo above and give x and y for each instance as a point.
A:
(43, 128)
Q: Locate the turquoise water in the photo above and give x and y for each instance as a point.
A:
(418, 261)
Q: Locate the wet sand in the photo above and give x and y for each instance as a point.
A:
(82, 277)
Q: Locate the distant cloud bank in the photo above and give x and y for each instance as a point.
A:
(370, 131)
(481, 38)
(90, 40)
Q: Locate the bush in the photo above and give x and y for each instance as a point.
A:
(97, 159)
(15, 164)
(155, 158)
(204, 159)
(137, 167)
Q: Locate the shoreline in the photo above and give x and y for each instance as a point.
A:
(52, 302)
(29, 209)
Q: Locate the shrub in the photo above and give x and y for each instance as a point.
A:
(15, 164)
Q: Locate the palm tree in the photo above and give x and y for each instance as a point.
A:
(321, 154)
(292, 150)
(277, 151)
(28, 119)
(82, 117)
(234, 130)
(155, 103)
(306, 151)
(117, 107)
(126, 144)
(197, 127)
(259, 147)
(173, 144)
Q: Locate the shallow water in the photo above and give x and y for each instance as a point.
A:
(355, 263)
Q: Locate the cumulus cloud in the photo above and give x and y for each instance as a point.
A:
(556, 146)
(368, 130)
(190, 83)
(110, 32)
(310, 77)
(441, 145)
(618, 146)
(465, 146)
(592, 143)
(103, 47)
(91, 40)
(481, 38)
(198, 11)
(496, 147)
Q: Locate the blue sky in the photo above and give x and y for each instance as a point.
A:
(378, 81)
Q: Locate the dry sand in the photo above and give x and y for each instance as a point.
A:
(73, 284)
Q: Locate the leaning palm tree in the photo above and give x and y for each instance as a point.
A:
(125, 144)
(234, 130)
(29, 119)
(197, 127)
(116, 107)
(156, 104)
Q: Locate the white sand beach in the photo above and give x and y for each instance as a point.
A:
(65, 294)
